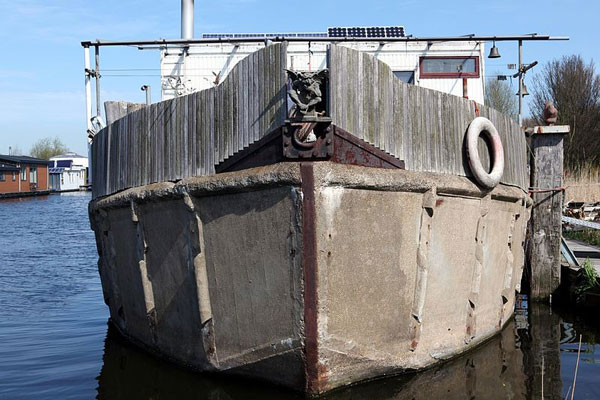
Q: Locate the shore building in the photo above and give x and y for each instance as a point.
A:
(20, 175)
(68, 172)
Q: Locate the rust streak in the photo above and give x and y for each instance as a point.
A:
(315, 376)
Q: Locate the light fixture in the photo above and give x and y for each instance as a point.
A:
(494, 53)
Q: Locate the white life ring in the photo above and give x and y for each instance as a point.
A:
(478, 126)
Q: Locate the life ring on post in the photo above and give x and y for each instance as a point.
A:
(478, 126)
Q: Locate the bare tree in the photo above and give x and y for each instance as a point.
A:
(48, 147)
(500, 96)
(574, 88)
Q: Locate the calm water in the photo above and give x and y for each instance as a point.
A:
(55, 342)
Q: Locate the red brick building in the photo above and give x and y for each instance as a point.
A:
(23, 174)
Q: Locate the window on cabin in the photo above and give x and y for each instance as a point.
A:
(405, 76)
(23, 173)
(2, 177)
(64, 163)
(33, 174)
(14, 176)
(449, 67)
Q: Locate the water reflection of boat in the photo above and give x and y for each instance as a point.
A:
(501, 368)
(129, 373)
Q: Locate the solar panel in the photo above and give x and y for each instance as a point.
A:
(261, 35)
(340, 31)
(369, 31)
(337, 32)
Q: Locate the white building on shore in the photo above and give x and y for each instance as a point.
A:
(68, 172)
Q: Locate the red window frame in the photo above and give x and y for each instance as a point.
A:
(442, 75)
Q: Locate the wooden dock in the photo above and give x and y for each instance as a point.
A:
(583, 250)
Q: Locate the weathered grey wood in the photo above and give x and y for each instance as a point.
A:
(545, 226)
(189, 135)
(428, 126)
(186, 136)
(114, 110)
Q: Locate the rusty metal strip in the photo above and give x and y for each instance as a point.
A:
(315, 381)
(265, 151)
(416, 324)
(349, 149)
(333, 144)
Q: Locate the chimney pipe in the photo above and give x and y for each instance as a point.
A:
(187, 19)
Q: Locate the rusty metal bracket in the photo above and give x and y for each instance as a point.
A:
(311, 138)
(308, 138)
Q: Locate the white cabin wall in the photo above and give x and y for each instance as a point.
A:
(75, 176)
(198, 70)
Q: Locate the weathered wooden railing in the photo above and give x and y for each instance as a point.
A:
(423, 127)
(189, 135)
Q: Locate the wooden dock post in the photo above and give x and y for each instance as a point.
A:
(545, 226)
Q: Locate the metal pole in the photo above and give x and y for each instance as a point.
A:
(184, 42)
(97, 52)
(520, 83)
(187, 19)
(88, 88)
(146, 88)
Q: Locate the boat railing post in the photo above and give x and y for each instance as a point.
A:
(88, 89)
(520, 83)
(97, 74)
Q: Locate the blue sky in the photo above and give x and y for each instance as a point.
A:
(41, 66)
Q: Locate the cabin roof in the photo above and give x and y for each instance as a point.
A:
(68, 156)
(22, 159)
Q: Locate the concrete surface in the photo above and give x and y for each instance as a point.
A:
(409, 268)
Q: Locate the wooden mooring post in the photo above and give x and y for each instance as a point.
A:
(545, 225)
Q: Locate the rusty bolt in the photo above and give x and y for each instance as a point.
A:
(286, 143)
(328, 141)
(315, 152)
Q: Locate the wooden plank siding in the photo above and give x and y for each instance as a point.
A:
(188, 135)
(423, 127)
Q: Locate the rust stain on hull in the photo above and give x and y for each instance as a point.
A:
(316, 374)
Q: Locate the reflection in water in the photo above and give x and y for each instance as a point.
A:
(588, 374)
(508, 366)
(129, 373)
(541, 356)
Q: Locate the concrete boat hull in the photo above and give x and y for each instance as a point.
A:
(311, 275)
